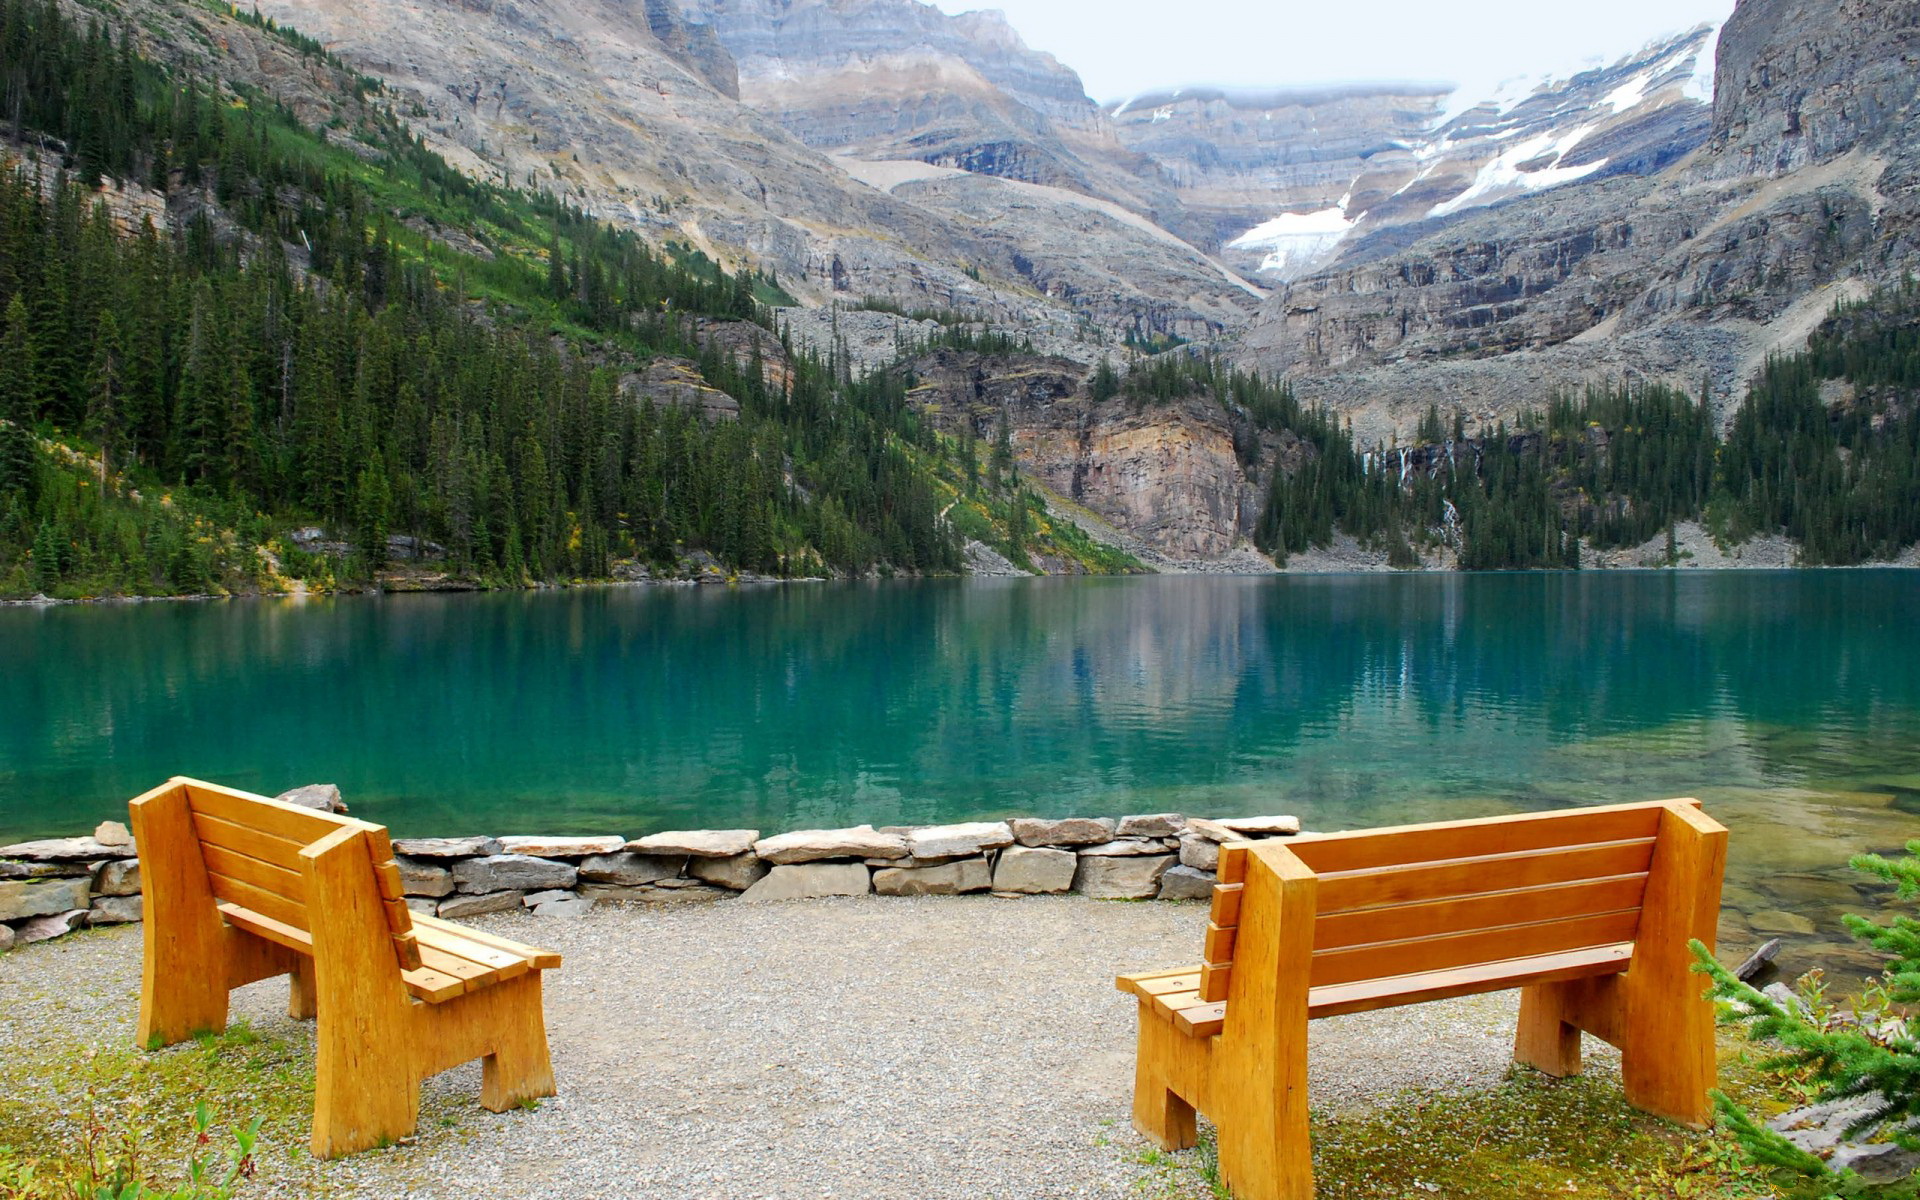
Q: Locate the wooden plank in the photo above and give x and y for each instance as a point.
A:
(1201, 1020)
(286, 884)
(455, 940)
(1368, 994)
(266, 903)
(1457, 914)
(388, 875)
(539, 959)
(1399, 845)
(1232, 867)
(1186, 981)
(244, 839)
(289, 821)
(1420, 955)
(1219, 943)
(1478, 875)
(1215, 978)
(432, 986)
(472, 974)
(292, 937)
(1226, 904)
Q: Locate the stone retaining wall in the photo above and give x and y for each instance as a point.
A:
(49, 888)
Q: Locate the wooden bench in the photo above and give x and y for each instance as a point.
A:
(239, 888)
(1588, 910)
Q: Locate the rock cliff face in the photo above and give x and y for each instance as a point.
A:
(1804, 193)
(1174, 475)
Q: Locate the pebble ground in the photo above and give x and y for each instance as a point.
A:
(866, 1049)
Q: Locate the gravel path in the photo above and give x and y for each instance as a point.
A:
(857, 1049)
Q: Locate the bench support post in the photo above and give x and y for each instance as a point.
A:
(366, 1088)
(1546, 1039)
(1666, 1048)
(1166, 1060)
(1259, 1097)
(184, 963)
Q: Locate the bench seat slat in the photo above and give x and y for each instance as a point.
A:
(537, 958)
(428, 983)
(1358, 849)
(1344, 891)
(1197, 1018)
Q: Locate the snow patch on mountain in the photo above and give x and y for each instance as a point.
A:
(1297, 242)
(1524, 168)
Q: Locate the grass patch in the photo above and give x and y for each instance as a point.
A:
(69, 1117)
(1529, 1137)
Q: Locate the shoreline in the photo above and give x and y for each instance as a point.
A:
(1909, 561)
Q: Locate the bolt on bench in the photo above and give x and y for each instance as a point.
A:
(1589, 911)
(240, 888)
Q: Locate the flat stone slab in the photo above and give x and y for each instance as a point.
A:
(464, 847)
(628, 869)
(512, 872)
(947, 879)
(1186, 883)
(45, 929)
(1214, 831)
(20, 899)
(737, 873)
(1130, 878)
(562, 847)
(1035, 870)
(44, 870)
(115, 910)
(1262, 826)
(949, 841)
(1152, 825)
(812, 845)
(809, 881)
(1125, 848)
(456, 907)
(698, 843)
(80, 849)
(569, 906)
(423, 877)
(1067, 831)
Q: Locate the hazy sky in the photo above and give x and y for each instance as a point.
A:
(1120, 47)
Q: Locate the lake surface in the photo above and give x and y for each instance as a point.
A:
(1790, 702)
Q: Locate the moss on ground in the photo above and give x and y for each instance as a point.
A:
(1530, 1137)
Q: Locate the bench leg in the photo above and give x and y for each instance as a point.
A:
(185, 970)
(1159, 1112)
(1266, 1148)
(364, 1092)
(1546, 1040)
(520, 1068)
(302, 998)
(1667, 1051)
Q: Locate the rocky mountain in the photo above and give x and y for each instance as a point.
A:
(1283, 180)
(1803, 192)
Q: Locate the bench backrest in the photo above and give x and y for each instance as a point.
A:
(251, 847)
(1419, 898)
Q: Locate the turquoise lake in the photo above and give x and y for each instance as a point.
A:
(1789, 701)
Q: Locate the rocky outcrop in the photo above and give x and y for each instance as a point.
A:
(1800, 83)
(678, 383)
